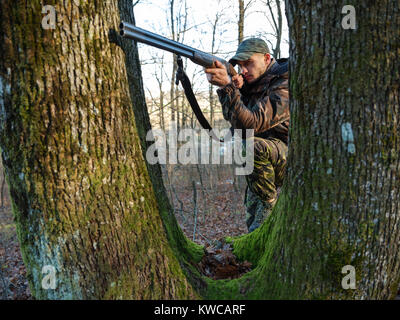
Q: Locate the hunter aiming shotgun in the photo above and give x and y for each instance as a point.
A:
(204, 59)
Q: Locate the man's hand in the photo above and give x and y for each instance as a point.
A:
(238, 81)
(218, 75)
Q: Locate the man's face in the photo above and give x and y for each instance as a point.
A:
(254, 67)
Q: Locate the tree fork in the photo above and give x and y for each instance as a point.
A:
(82, 195)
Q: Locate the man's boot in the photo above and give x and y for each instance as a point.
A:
(256, 210)
(263, 210)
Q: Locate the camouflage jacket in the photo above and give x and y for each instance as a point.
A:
(262, 105)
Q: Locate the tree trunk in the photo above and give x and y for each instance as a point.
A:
(81, 193)
(174, 66)
(241, 21)
(161, 111)
(186, 251)
(276, 25)
(277, 49)
(211, 94)
(345, 108)
(340, 202)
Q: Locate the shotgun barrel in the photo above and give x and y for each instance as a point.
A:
(130, 31)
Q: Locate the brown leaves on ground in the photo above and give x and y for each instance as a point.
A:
(219, 262)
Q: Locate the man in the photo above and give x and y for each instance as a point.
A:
(259, 101)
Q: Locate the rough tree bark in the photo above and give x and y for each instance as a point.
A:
(211, 94)
(340, 202)
(81, 193)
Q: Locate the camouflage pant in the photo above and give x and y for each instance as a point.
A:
(269, 170)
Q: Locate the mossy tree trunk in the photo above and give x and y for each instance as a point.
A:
(81, 193)
(340, 202)
(344, 173)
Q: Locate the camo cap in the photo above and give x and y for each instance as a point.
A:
(249, 47)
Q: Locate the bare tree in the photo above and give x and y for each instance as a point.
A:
(243, 8)
(85, 204)
(214, 51)
(178, 20)
(275, 19)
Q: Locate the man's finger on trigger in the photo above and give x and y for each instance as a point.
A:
(210, 70)
(218, 64)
